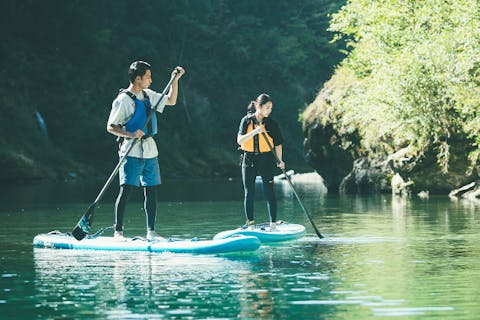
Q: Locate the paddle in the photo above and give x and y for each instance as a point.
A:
(83, 226)
(293, 189)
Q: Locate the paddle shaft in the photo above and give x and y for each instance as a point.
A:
(291, 185)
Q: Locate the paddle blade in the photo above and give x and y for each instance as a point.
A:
(82, 228)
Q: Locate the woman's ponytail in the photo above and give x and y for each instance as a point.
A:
(251, 107)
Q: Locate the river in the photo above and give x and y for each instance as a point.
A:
(382, 257)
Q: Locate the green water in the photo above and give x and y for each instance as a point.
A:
(382, 257)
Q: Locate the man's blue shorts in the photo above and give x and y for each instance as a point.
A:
(138, 171)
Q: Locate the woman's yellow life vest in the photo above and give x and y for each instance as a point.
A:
(256, 143)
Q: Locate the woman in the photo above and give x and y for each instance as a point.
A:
(258, 133)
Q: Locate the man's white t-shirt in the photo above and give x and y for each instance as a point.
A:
(123, 108)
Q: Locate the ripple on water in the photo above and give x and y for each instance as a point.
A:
(325, 302)
(125, 314)
(360, 240)
(416, 311)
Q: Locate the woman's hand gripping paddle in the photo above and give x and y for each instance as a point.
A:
(82, 229)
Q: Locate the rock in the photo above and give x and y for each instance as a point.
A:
(399, 186)
(367, 176)
(325, 154)
(306, 182)
(309, 177)
(469, 191)
(423, 194)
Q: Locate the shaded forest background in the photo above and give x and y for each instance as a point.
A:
(66, 60)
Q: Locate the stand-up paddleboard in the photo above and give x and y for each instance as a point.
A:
(66, 241)
(285, 231)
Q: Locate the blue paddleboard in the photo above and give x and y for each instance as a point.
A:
(284, 232)
(66, 241)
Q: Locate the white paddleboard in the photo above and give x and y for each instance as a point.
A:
(284, 232)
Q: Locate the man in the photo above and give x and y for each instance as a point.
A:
(129, 113)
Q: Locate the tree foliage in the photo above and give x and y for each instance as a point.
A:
(411, 79)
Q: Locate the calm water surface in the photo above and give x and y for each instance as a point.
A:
(382, 257)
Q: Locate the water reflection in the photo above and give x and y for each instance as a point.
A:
(122, 285)
(382, 257)
(399, 208)
(254, 296)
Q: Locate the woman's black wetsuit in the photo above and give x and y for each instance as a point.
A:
(256, 163)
